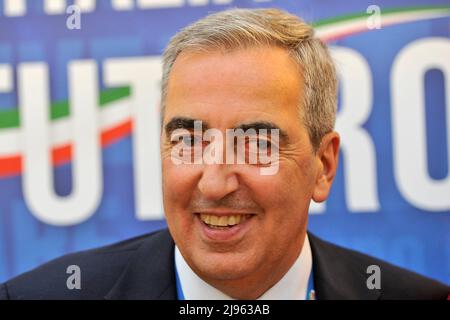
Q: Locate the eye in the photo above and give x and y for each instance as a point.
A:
(258, 144)
(260, 149)
(187, 140)
(264, 144)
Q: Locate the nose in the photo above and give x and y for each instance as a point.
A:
(217, 181)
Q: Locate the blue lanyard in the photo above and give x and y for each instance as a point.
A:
(180, 295)
(310, 293)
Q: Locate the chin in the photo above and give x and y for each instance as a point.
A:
(223, 267)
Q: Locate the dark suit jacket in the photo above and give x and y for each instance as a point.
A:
(143, 268)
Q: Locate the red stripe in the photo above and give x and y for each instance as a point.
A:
(12, 166)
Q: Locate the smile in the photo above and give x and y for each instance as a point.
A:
(223, 222)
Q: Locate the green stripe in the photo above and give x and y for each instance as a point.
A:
(389, 11)
(10, 118)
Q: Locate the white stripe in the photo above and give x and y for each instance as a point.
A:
(55, 6)
(122, 4)
(86, 5)
(113, 115)
(14, 8)
(151, 4)
(327, 31)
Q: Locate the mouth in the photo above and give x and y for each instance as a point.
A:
(223, 222)
(224, 227)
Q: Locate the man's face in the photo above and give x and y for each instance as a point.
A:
(241, 88)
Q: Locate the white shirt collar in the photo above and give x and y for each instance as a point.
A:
(292, 286)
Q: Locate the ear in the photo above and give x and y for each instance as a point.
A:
(327, 157)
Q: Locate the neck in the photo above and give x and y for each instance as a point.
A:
(257, 283)
(254, 286)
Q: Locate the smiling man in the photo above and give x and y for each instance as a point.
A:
(233, 231)
(227, 84)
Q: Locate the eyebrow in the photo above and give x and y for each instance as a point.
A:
(182, 123)
(188, 124)
(258, 125)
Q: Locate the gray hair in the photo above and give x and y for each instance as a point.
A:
(243, 28)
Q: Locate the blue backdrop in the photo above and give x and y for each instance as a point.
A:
(389, 225)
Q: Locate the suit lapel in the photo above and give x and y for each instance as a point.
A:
(337, 273)
(150, 273)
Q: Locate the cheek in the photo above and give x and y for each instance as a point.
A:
(178, 181)
(290, 186)
(178, 184)
(285, 198)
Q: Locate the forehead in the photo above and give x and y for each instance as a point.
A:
(261, 83)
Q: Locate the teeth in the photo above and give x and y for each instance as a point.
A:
(214, 220)
(223, 221)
